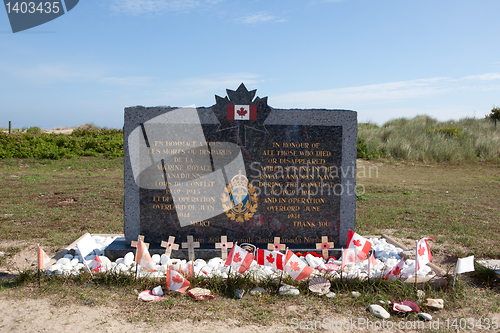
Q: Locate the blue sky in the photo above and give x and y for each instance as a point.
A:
(383, 58)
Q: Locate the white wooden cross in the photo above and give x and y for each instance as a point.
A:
(140, 238)
(276, 246)
(223, 246)
(169, 246)
(325, 246)
(190, 245)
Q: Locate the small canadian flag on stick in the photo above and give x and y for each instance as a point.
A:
(242, 112)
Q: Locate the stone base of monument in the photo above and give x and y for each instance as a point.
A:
(491, 264)
(119, 248)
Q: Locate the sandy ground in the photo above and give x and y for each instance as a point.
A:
(30, 315)
(62, 131)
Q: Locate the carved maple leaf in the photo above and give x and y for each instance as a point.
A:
(295, 266)
(357, 242)
(270, 258)
(237, 258)
(421, 250)
(177, 279)
(397, 270)
(242, 112)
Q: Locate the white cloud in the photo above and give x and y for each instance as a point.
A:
(385, 92)
(129, 81)
(484, 77)
(197, 89)
(51, 73)
(137, 7)
(257, 18)
(324, 1)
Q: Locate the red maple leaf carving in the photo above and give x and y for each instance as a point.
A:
(295, 266)
(421, 250)
(177, 279)
(357, 242)
(237, 258)
(242, 112)
(397, 270)
(270, 258)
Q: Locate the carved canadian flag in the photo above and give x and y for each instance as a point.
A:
(242, 112)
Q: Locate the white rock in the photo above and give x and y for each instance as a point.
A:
(425, 316)
(391, 262)
(122, 267)
(128, 259)
(214, 262)
(78, 267)
(119, 261)
(105, 262)
(314, 262)
(68, 256)
(199, 262)
(404, 308)
(434, 303)
(156, 258)
(63, 261)
(164, 259)
(74, 261)
(67, 267)
(379, 311)
(355, 294)
(289, 290)
(331, 294)
(157, 291)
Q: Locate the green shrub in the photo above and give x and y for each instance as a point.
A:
(85, 142)
(450, 131)
(495, 114)
(34, 130)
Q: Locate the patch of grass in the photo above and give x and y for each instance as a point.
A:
(84, 141)
(58, 201)
(9, 252)
(419, 193)
(425, 139)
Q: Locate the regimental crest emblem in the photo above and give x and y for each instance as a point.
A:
(239, 199)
